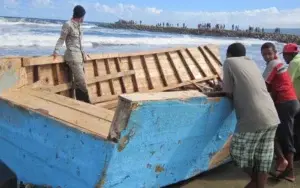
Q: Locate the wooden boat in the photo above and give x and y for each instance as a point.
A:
(148, 124)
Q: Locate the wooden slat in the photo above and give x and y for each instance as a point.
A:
(196, 63)
(212, 54)
(191, 75)
(117, 62)
(96, 74)
(111, 86)
(113, 97)
(161, 72)
(44, 60)
(71, 103)
(68, 116)
(174, 68)
(133, 77)
(64, 87)
(108, 104)
(209, 63)
(148, 77)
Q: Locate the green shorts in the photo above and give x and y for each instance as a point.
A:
(254, 150)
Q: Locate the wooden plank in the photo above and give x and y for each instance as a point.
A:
(72, 103)
(179, 80)
(167, 69)
(64, 77)
(108, 104)
(64, 87)
(161, 72)
(213, 53)
(89, 72)
(118, 68)
(148, 77)
(115, 82)
(209, 63)
(133, 77)
(45, 74)
(124, 66)
(190, 73)
(96, 74)
(104, 85)
(68, 116)
(196, 63)
(142, 82)
(113, 97)
(44, 60)
(110, 81)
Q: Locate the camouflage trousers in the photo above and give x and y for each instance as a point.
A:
(78, 81)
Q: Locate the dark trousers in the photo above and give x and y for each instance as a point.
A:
(285, 131)
(297, 136)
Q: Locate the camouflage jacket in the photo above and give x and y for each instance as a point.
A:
(71, 33)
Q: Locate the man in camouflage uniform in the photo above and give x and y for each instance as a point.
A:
(71, 34)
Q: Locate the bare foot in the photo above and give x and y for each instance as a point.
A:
(281, 166)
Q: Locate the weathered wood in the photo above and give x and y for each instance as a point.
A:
(70, 103)
(113, 97)
(191, 75)
(133, 77)
(108, 104)
(64, 87)
(174, 68)
(160, 69)
(209, 63)
(96, 74)
(117, 62)
(148, 77)
(73, 118)
(44, 60)
(109, 75)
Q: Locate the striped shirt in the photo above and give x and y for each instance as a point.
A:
(279, 81)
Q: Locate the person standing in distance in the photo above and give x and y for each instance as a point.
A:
(71, 34)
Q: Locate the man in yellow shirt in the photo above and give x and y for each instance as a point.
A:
(292, 57)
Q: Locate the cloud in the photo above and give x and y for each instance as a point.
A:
(154, 10)
(10, 4)
(41, 2)
(269, 17)
(125, 11)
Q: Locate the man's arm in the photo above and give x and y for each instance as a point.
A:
(63, 35)
(228, 82)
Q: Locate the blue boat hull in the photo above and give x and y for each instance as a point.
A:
(162, 142)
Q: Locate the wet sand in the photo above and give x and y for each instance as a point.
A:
(228, 176)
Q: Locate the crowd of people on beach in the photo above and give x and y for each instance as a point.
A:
(266, 106)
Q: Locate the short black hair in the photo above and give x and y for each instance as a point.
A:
(236, 50)
(78, 11)
(268, 45)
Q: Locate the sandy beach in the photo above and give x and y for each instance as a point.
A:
(228, 176)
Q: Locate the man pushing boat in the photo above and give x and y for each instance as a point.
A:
(71, 34)
(252, 144)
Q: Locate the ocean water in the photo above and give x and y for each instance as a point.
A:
(36, 37)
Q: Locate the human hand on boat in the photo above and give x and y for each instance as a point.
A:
(54, 58)
(86, 57)
(216, 94)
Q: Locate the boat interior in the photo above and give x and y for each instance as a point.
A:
(45, 86)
